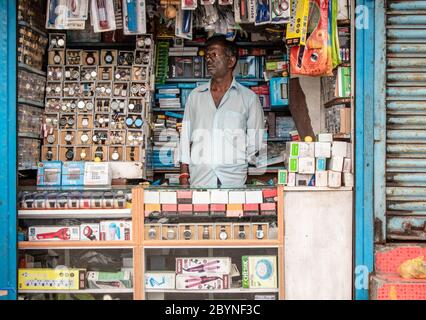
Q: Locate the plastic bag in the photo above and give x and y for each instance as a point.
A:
(314, 59)
(413, 269)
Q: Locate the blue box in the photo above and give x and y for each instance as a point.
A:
(247, 68)
(278, 90)
(321, 164)
(49, 173)
(73, 173)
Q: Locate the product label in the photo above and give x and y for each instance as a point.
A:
(294, 152)
(245, 272)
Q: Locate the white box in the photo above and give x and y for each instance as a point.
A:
(254, 197)
(97, 173)
(291, 182)
(321, 179)
(305, 180)
(168, 197)
(348, 179)
(259, 272)
(116, 230)
(339, 149)
(89, 232)
(201, 197)
(151, 197)
(322, 149)
(336, 164)
(202, 282)
(219, 196)
(160, 280)
(306, 149)
(334, 179)
(237, 197)
(307, 165)
(325, 137)
(203, 265)
(347, 165)
(54, 233)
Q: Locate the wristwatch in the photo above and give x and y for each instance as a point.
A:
(69, 155)
(171, 233)
(115, 155)
(68, 138)
(85, 122)
(84, 138)
(223, 235)
(187, 233)
(241, 233)
(63, 200)
(51, 139)
(206, 233)
(152, 233)
(108, 200)
(259, 232)
(49, 154)
(120, 199)
(57, 58)
(109, 57)
(90, 59)
(83, 154)
(99, 153)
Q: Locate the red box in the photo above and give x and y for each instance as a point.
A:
(185, 209)
(218, 210)
(184, 197)
(201, 209)
(268, 209)
(251, 209)
(390, 286)
(269, 195)
(169, 209)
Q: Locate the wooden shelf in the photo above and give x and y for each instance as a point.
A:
(28, 135)
(211, 243)
(74, 244)
(75, 213)
(231, 290)
(26, 24)
(31, 103)
(23, 66)
(337, 101)
(165, 109)
(100, 291)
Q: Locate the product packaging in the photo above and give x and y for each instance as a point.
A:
(51, 279)
(49, 173)
(160, 280)
(67, 15)
(54, 233)
(278, 88)
(89, 232)
(204, 282)
(103, 15)
(183, 24)
(280, 11)
(73, 173)
(134, 17)
(321, 179)
(116, 230)
(263, 12)
(97, 173)
(259, 272)
(109, 280)
(203, 265)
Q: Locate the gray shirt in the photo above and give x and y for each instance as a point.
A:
(218, 143)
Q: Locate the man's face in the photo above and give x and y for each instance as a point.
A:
(219, 64)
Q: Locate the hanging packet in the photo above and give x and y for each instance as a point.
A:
(207, 2)
(314, 58)
(103, 15)
(134, 17)
(189, 4)
(183, 25)
(66, 14)
(225, 2)
(297, 26)
(280, 11)
(334, 36)
(263, 12)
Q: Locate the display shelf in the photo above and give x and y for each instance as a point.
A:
(100, 45)
(149, 244)
(231, 290)
(166, 109)
(26, 24)
(314, 189)
(31, 69)
(337, 101)
(76, 188)
(31, 103)
(341, 136)
(28, 135)
(79, 291)
(207, 79)
(166, 170)
(74, 244)
(75, 213)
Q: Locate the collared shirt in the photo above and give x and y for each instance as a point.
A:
(217, 143)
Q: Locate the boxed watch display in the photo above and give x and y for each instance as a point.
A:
(259, 272)
(169, 232)
(116, 153)
(152, 231)
(268, 209)
(260, 231)
(219, 196)
(54, 233)
(250, 209)
(184, 196)
(73, 173)
(49, 153)
(108, 57)
(54, 279)
(83, 154)
(160, 280)
(202, 265)
(204, 282)
(205, 231)
(49, 173)
(89, 232)
(116, 230)
(242, 231)
(188, 231)
(73, 57)
(223, 231)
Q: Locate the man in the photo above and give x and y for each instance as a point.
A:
(223, 124)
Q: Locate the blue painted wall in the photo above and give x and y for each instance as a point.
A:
(8, 148)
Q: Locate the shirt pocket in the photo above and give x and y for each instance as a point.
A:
(233, 120)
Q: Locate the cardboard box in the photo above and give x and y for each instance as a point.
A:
(203, 282)
(54, 233)
(89, 232)
(53, 279)
(109, 280)
(234, 210)
(348, 179)
(97, 173)
(268, 209)
(339, 149)
(305, 180)
(322, 149)
(250, 210)
(152, 209)
(116, 230)
(168, 197)
(307, 165)
(160, 280)
(151, 197)
(293, 165)
(201, 197)
(321, 164)
(336, 164)
(325, 137)
(269, 194)
(347, 165)
(278, 91)
(237, 197)
(169, 209)
(73, 173)
(282, 177)
(184, 196)
(218, 210)
(334, 179)
(254, 197)
(321, 179)
(185, 209)
(219, 196)
(302, 149)
(201, 210)
(49, 173)
(259, 272)
(202, 265)
(291, 182)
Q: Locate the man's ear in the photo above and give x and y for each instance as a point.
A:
(232, 61)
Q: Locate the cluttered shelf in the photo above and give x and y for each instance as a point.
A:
(211, 243)
(231, 290)
(31, 69)
(74, 213)
(261, 44)
(26, 24)
(251, 170)
(101, 45)
(31, 103)
(91, 291)
(74, 244)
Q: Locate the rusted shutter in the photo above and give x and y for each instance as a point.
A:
(406, 120)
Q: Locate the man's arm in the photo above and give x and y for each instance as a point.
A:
(255, 129)
(185, 143)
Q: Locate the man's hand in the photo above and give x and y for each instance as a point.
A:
(184, 175)
(184, 182)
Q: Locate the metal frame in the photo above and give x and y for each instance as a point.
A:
(8, 265)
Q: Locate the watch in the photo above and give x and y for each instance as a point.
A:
(81, 105)
(51, 139)
(206, 233)
(63, 200)
(99, 153)
(90, 59)
(187, 233)
(120, 199)
(83, 154)
(115, 155)
(259, 232)
(171, 234)
(152, 233)
(131, 106)
(49, 154)
(138, 122)
(84, 138)
(108, 200)
(85, 122)
(89, 106)
(223, 235)
(68, 138)
(241, 233)
(57, 58)
(69, 155)
(109, 57)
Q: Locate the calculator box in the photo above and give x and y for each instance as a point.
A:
(73, 173)
(49, 173)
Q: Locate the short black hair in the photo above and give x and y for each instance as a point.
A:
(230, 46)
